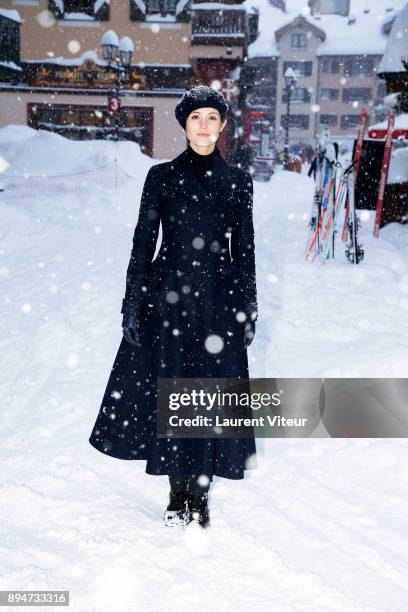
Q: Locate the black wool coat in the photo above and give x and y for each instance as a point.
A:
(192, 301)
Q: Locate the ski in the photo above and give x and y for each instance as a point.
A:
(320, 181)
(354, 250)
(325, 197)
(330, 231)
(320, 224)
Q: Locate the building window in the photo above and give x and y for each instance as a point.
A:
(79, 6)
(299, 95)
(330, 65)
(301, 68)
(348, 122)
(329, 93)
(358, 94)
(9, 41)
(97, 10)
(329, 120)
(359, 66)
(160, 6)
(81, 122)
(298, 40)
(300, 122)
(257, 99)
(336, 7)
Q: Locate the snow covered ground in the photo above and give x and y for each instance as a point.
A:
(319, 526)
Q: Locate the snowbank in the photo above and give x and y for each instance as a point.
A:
(26, 151)
(398, 171)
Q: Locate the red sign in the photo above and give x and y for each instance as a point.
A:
(229, 89)
(114, 104)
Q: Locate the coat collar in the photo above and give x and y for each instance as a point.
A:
(189, 158)
(203, 160)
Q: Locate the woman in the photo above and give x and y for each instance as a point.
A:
(189, 313)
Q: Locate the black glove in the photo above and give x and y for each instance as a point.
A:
(131, 329)
(249, 332)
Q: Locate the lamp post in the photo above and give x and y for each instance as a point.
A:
(118, 55)
(290, 83)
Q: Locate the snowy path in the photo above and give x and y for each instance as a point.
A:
(319, 526)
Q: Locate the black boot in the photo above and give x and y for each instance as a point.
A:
(177, 510)
(176, 513)
(198, 510)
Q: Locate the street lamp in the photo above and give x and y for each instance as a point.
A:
(290, 83)
(126, 49)
(118, 55)
(110, 46)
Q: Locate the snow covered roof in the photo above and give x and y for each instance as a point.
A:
(363, 35)
(397, 44)
(75, 61)
(401, 123)
(344, 36)
(11, 65)
(10, 14)
(206, 6)
(270, 19)
(302, 21)
(92, 55)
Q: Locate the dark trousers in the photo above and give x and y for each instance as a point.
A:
(188, 483)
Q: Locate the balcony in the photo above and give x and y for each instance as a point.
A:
(214, 23)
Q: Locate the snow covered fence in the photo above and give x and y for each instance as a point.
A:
(109, 176)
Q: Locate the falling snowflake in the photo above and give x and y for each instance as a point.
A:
(46, 19)
(203, 480)
(214, 343)
(3, 164)
(26, 308)
(172, 297)
(74, 46)
(72, 360)
(240, 316)
(198, 242)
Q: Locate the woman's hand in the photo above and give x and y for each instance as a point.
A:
(249, 333)
(131, 329)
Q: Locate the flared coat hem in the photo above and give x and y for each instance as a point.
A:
(166, 472)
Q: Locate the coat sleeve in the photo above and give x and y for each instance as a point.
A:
(144, 243)
(243, 247)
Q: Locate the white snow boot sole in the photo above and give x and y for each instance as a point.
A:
(172, 518)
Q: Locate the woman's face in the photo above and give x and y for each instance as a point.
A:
(203, 126)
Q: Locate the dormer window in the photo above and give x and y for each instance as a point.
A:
(79, 6)
(298, 40)
(78, 10)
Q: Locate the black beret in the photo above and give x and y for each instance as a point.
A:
(199, 97)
